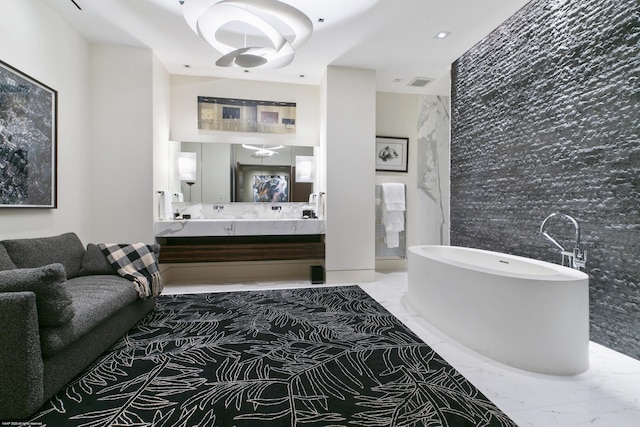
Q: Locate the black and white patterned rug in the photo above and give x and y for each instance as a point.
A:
(298, 357)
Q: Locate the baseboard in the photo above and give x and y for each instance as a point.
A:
(391, 264)
(337, 277)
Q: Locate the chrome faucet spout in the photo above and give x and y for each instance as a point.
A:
(577, 259)
(552, 240)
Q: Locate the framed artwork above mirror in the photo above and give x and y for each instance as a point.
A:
(246, 115)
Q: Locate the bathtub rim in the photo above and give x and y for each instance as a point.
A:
(561, 273)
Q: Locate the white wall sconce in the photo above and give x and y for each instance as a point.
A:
(249, 33)
(187, 168)
(305, 169)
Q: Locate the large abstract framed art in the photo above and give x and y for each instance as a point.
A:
(28, 129)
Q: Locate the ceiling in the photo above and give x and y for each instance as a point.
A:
(393, 37)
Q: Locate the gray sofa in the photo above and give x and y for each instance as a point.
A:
(61, 306)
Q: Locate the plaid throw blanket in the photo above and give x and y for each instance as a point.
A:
(137, 263)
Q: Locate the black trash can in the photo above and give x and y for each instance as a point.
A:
(317, 274)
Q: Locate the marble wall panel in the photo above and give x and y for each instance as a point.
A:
(433, 169)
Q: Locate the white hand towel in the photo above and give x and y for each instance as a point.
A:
(320, 205)
(393, 207)
(393, 196)
(392, 239)
(393, 224)
(165, 210)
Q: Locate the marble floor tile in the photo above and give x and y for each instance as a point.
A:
(607, 395)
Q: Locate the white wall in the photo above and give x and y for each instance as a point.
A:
(161, 124)
(349, 96)
(37, 42)
(122, 144)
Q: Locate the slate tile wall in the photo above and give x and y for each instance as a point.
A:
(546, 118)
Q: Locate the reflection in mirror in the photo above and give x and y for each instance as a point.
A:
(246, 173)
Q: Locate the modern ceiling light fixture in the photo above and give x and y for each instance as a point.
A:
(249, 33)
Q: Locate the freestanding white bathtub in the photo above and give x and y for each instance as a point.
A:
(528, 314)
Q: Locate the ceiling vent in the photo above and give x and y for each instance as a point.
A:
(419, 82)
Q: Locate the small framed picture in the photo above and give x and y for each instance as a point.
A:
(391, 154)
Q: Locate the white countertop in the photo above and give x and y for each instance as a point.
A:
(237, 227)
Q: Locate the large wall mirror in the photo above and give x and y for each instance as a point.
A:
(247, 173)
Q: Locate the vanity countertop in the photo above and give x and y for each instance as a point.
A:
(237, 227)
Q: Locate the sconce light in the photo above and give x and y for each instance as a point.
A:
(305, 169)
(187, 169)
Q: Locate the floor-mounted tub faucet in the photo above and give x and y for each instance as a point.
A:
(575, 259)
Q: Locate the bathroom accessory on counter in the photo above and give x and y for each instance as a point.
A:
(316, 200)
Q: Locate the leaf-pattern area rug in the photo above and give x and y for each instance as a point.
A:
(326, 356)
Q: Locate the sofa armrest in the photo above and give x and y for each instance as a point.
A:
(21, 382)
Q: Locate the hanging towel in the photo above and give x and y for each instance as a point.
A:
(393, 196)
(165, 208)
(320, 205)
(393, 207)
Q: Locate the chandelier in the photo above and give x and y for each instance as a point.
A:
(249, 33)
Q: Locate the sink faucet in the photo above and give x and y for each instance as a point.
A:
(576, 258)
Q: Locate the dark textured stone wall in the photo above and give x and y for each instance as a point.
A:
(545, 118)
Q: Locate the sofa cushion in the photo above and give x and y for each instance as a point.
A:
(94, 262)
(66, 249)
(95, 298)
(5, 259)
(48, 283)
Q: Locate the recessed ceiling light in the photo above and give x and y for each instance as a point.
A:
(442, 34)
(397, 80)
